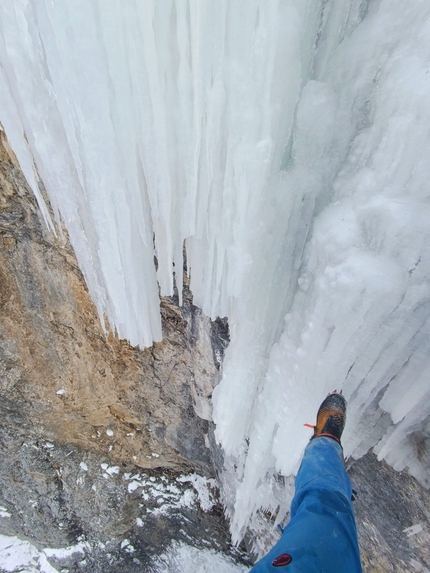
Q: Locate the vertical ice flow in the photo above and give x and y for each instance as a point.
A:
(285, 143)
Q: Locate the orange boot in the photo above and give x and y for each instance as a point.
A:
(331, 417)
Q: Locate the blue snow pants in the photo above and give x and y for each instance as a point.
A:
(321, 536)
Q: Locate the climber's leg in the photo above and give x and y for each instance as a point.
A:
(321, 535)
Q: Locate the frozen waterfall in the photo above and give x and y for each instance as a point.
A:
(286, 142)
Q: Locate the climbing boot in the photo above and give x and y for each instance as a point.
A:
(331, 417)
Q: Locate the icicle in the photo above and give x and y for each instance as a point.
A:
(284, 143)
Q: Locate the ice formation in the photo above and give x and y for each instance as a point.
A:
(286, 142)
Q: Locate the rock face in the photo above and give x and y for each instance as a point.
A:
(393, 517)
(120, 517)
(74, 397)
(62, 378)
(101, 443)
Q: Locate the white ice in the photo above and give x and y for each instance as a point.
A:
(286, 143)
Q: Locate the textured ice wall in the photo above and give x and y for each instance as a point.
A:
(287, 143)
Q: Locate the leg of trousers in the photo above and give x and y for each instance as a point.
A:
(321, 536)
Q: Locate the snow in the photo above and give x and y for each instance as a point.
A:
(4, 513)
(204, 488)
(17, 555)
(286, 144)
(170, 497)
(184, 558)
(65, 552)
(20, 556)
(127, 546)
(133, 485)
(109, 470)
(413, 530)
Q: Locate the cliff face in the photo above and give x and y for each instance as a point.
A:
(95, 434)
(64, 379)
(101, 441)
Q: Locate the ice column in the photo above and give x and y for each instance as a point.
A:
(285, 143)
(356, 314)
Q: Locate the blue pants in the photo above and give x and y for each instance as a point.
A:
(321, 536)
